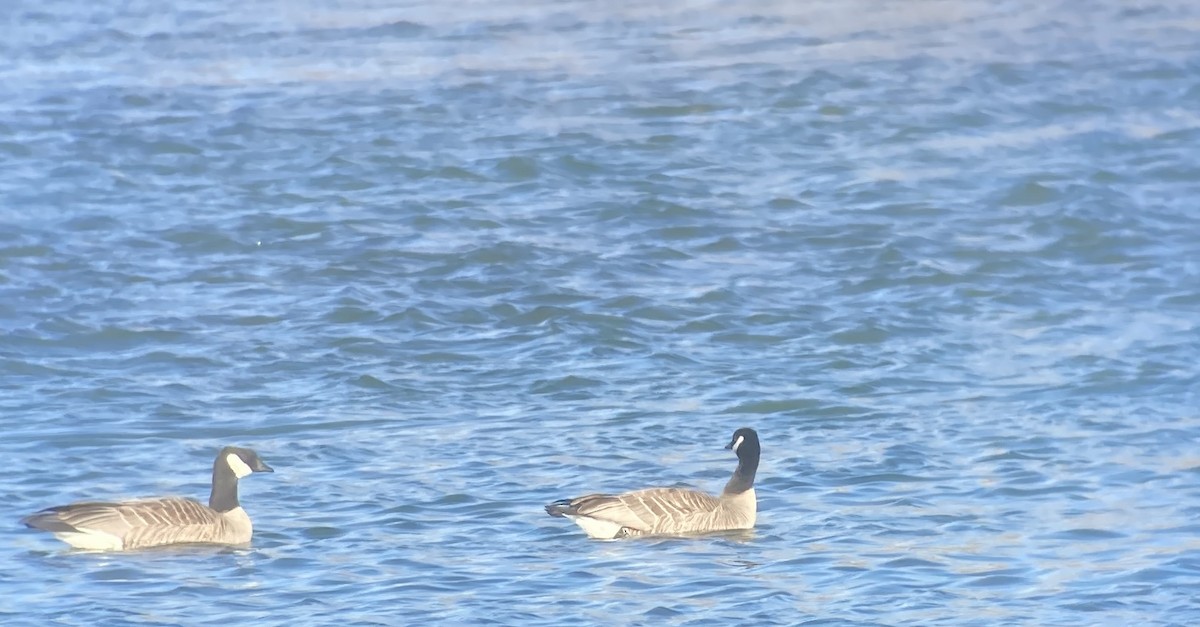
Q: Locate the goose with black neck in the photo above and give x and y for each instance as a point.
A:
(672, 511)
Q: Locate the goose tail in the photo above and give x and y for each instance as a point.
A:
(48, 520)
(560, 508)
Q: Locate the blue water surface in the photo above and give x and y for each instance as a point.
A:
(442, 264)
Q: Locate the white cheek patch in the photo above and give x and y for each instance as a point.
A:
(738, 442)
(240, 469)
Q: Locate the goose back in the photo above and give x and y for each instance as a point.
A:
(141, 524)
(662, 511)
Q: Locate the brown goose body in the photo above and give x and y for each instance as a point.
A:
(125, 525)
(672, 511)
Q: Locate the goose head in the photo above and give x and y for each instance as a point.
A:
(242, 461)
(745, 444)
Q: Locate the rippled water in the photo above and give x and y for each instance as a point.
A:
(441, 266)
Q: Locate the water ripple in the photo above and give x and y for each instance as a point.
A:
(442, 267)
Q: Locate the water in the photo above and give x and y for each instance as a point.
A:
(441, 266)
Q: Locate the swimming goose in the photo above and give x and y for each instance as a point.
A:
(155, 522)
(671, 511)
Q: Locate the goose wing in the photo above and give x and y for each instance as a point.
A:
(129, 520)
(647, 511)
(669, 509)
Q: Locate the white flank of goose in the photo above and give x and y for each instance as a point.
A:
(155, 522)
(672, 511)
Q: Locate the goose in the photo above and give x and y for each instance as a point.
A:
(671, 511)
(155, 522)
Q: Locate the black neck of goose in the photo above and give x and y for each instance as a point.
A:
(224, 495)
(743, 477)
